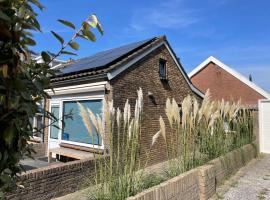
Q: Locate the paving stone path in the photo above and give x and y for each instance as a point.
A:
(250, 183)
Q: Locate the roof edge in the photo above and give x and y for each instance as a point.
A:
(162, 40)
(233, 72)
(108, 66)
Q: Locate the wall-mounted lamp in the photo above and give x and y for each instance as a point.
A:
(151, 97)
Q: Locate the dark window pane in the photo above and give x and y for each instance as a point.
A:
(38, 125)
(74, 129)
(162, 68)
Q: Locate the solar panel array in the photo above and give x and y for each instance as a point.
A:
(101, 59)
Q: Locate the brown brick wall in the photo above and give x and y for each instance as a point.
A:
(185, 186)
(224, 85)
(39, 148)
(200, 183)
(145, 74)
(53, 181)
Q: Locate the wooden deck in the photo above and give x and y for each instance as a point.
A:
(71, 153)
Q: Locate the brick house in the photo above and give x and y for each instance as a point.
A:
(226, 83)
(117, 74)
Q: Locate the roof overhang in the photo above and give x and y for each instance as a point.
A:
(81, 88)
(117, 68)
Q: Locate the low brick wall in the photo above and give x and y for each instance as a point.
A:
(53, 181)
(185, 186)
(227, 165)
(200, 183)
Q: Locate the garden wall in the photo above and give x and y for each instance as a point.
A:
(53, 181)
(200, 183)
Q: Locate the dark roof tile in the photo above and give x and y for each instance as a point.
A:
(102, 59)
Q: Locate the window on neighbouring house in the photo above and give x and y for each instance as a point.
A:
(162, 69)
(74, 129)
(37, 123)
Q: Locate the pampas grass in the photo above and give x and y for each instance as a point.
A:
(116, 172)
(162, 128)
(205, 131)
(155, 137)
(196, 133)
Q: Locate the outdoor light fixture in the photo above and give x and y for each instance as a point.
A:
(151, 97)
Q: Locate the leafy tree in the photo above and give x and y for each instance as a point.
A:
(22, 81)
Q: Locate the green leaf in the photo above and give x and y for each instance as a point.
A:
(36, 2)
(86, 26)
(67, 23)
(4, 16)
(18, 27)
(29, 41)
(21, 12)
(2, 195)
(69, 53)
(36, 24)
(89, 35)
(45, 56)
(7, 171)
(93, 21)
(100, 29)
(74, 45)
(9, 134)
(58, 37)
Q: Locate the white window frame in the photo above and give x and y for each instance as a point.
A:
(37, 138)
(59, 101)
(56, 104)
(34, 125)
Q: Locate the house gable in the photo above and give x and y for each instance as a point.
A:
(145, 74)
(164, 43)
(225, 82)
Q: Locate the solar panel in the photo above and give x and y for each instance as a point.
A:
(101, 59)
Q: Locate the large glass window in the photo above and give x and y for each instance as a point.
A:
(73, 127)
(54, 128)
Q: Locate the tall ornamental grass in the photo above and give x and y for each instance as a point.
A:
(201, 132)
(194, 133)
(117, 173)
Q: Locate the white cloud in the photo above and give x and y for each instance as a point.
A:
(170, 14)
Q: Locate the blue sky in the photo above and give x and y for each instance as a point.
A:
(235, 31)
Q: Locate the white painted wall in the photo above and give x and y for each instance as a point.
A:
(264, 125)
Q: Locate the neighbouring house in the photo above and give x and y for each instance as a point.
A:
(54, 64)
(226, 83)
(38, 120)
(116, 75)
